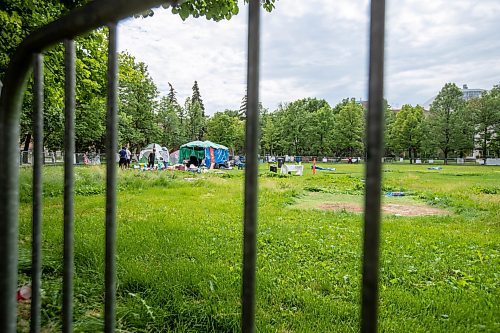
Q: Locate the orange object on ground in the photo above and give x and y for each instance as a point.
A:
(212, 158)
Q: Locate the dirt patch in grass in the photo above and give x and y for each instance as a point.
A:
(405, 209)
(350, 207)
(412, 210)
(400, 206)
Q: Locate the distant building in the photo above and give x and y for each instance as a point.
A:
(466, 94)
(471, 93)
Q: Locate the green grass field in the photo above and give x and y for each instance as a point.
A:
(180, 243)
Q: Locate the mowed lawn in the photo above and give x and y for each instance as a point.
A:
(180, 245)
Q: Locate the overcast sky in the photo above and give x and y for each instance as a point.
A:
(318, 48)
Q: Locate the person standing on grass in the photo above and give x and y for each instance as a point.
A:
(129, 156)
(123, 158)
(151, 159)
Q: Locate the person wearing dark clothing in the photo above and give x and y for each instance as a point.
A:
(151, 159)
(193, 161)
(123, 158)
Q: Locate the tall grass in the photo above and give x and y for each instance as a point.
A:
(179, 252)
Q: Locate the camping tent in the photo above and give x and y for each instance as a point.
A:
(161, 154)
(174, 157)
(200, 151)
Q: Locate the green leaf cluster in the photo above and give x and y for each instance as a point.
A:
(215, 10)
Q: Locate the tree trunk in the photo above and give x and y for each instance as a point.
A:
(27, 141)
(484, 146)
(445, 156)
(409, 155)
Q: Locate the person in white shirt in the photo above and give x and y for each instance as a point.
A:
(129, 156)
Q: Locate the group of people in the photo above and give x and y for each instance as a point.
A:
(126, 156)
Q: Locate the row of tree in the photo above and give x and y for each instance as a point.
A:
(308, 126)
(453, 126)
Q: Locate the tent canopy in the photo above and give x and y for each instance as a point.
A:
(203, 144)
(200, 150)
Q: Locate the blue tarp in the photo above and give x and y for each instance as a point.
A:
(220, 155)
(395, 194)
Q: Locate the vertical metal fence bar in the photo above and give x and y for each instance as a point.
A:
(36, 251)
(374, 134)
(11, 99)
(251, 172)
(69, 151)
(111, 144)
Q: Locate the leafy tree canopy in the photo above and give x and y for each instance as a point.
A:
(485, 112)
(224, 129)
(442, 118)
(407, 128)
(138, 100)
(349, 128)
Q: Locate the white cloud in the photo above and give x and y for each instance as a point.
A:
(430, 43)
(319, 48)
(182, 52)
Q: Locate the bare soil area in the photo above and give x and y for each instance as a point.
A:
(402, 209)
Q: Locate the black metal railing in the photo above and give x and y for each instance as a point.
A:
(374, 153)
(107, 12)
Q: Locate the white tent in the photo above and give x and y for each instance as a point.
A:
(161, 154)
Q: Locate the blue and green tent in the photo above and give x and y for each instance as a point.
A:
(201, 151)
